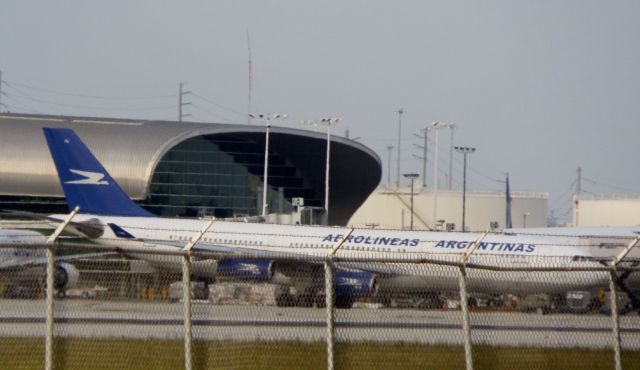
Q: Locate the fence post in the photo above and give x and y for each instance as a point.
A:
(329, 292)
(466, 329)
(186, 294)
(615, 319)
(613, 295)
(329, 297)
(48, 342)
(464, 304)
(186, 298)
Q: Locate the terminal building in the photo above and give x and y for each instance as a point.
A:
(185, 169)
(390, 207)
(606, 210)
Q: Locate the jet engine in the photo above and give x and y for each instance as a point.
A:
(351, 285)
(66, 276)
(245, 269)
(355, 284)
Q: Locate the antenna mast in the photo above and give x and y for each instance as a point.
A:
(249, 90)
(576, 199)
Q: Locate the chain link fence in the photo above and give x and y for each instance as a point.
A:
(140, 308)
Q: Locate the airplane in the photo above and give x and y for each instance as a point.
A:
(586, 232)
(601, 242)
(23, 268)
(280, 250)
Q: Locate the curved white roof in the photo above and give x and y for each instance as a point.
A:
(131, 149)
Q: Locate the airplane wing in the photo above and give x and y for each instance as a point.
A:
(91, 228)
(232, 251)
(17, 250)
(18, 255)
(23, 261)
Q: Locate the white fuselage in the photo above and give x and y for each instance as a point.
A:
(16, 258)
(494, 249)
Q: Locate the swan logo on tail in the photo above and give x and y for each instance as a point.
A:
(90, 178)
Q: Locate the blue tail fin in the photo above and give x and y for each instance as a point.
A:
(120, 232)
(84, 181)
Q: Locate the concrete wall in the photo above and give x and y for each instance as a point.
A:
(390, 208)
(603, 210)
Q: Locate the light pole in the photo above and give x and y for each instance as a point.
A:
(464, 150)
(389, 148)
(425, 130)
(266, 118)
(452, 126)
(326, 122)
(400, 112)
(435, 126)
(412, 177)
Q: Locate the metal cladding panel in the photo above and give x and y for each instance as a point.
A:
(126, 149)
(131, 149)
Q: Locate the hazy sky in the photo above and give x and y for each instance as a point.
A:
(538, 87)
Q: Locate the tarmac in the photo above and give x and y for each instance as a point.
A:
(162, 320)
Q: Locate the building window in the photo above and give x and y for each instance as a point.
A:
(220, 175)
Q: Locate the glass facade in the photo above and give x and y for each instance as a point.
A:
(221, 175)
(211, 175)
